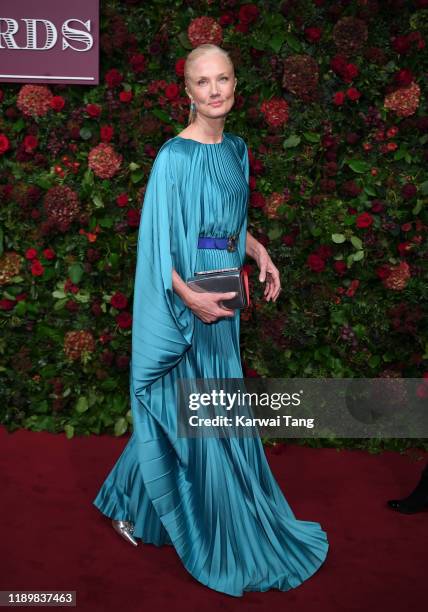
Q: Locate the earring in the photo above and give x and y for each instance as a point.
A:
(192, 107)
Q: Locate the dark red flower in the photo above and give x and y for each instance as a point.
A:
(133, 217)
(113, 78)
(119, 300)
(49, 253)
(122, 200)
(340, 266)
(313, 34)
(106, 133)
(4, 143)
(248, 13)
(125, 96)
(93, 110)
(57, 103)
(315, 262)
(31, 254)
(30, 143)
(124, 320)
(364, 220)
(408, 191)
(6, 304)
(36, 268)
(172, 91)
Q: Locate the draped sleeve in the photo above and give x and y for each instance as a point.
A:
(245, 163)
(162, 325)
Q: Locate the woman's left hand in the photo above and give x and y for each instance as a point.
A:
(268, 272)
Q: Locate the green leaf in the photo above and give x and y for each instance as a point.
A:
(418, 207)
(81, 404)
(358, 165)
(277, 40)
(356, 242)
(85, 133)
(275, 232)
(374, 361)
(338, 238)
(312, 136)
(75, 272)
(137, 176)
(19, 125)
(293, 42)
(97, 201)
(160, 114)
(423, 187)
(358, 256)
(292, 141)
(120, 427)
(69, 431)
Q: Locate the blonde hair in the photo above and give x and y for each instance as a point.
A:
(196, 53)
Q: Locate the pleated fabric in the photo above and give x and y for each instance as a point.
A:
(214, 499)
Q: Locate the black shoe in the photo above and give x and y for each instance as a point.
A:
(417, 501)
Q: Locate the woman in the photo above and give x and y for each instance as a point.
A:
(215, 500)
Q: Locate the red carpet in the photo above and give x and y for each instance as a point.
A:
(54, 538)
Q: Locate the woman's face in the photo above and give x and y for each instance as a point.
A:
(212, 81)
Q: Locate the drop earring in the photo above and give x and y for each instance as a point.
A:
(192, 107)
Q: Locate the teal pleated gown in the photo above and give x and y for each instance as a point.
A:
(214, 499)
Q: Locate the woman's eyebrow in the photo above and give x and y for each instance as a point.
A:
(204, 77)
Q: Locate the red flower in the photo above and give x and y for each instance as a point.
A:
(257, 200)
(248, 13)
(403, 78)
(133, 217)
(353, 93)
(6, 304)
(315, 262)
(408, 191)
(313, 34)
(49, 253)
(124, 320)
(339, 98)
(179, 66)
(4, 143)
(324, 251)
(172, 91)
(119, 300)
(138, 62)
(350, 73)
(288, 240)
(340, 266)
(57, 103)
(350, 292)
(106, 133)
(125, 96)
(122, 200)
(30, 143)
(113, 78)
(93, 110)
(36, 268)
(364, 220)
(30, 254)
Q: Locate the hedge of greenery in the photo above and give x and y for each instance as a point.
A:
(331, 100)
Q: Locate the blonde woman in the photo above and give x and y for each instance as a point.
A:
(215, 500)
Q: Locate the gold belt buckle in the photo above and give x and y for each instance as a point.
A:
(231, 243)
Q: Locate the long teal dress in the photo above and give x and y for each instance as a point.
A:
(214, 499)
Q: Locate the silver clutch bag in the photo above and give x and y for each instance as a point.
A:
(222, 280)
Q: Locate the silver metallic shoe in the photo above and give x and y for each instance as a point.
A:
(125, 529)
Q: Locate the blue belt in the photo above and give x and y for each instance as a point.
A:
(208, 242)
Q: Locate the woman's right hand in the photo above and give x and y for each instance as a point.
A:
(206, 304)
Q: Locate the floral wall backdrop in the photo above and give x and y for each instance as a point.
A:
(332, 102)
